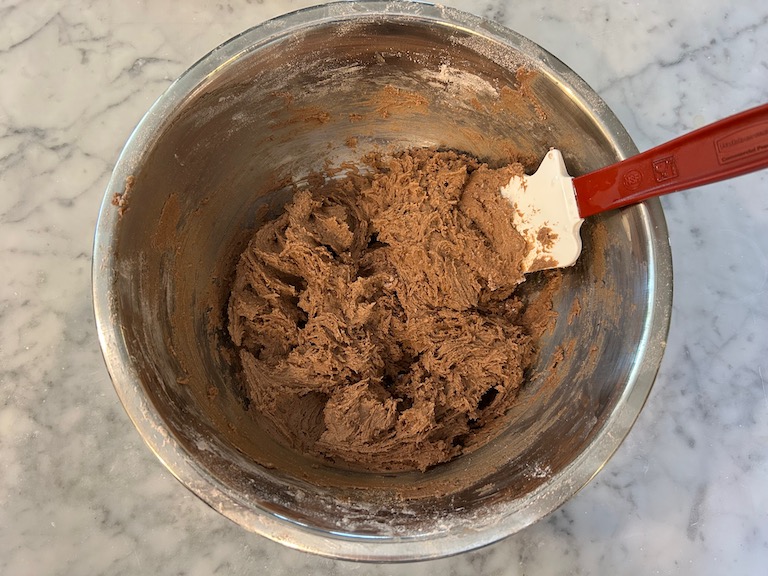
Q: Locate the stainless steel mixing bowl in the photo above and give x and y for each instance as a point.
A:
(214, 158)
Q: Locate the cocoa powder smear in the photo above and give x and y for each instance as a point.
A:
(376, 319)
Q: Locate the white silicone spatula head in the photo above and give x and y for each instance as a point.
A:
(546, 214)
(550, 205)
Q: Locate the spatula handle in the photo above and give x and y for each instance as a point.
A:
(730, 147)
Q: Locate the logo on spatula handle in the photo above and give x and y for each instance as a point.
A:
(632, 180)
(665, 169)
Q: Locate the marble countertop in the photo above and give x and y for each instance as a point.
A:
(80, 493)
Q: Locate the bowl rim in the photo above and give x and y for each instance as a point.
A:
(198, 480)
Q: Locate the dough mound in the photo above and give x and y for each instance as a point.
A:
(375, 319)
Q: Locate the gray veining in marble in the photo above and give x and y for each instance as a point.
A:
(687, 493)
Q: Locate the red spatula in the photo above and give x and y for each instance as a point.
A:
(551, 205)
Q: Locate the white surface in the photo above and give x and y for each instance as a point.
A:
(687, 493)
(546, 201)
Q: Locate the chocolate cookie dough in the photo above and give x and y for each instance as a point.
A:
(375, 319)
